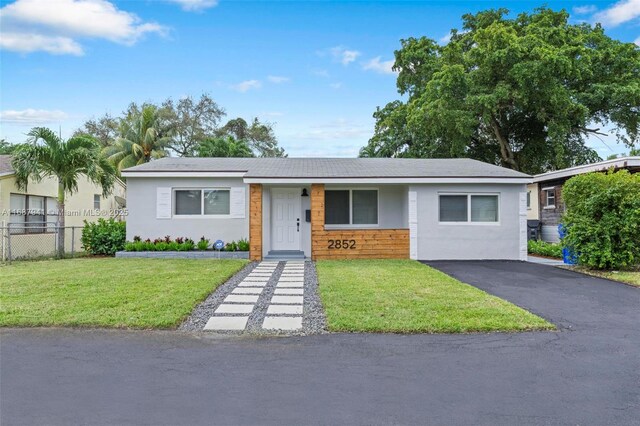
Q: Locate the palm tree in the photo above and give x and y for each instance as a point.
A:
(140, 140)
(45, 155)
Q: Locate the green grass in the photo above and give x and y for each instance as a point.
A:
(108, 292)
(629, 277)
(405, 296)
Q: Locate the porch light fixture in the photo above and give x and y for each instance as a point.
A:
(304, 192)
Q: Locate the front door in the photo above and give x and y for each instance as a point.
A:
(285, 219)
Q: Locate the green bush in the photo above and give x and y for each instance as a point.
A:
(243, 245)
(203, 244)
(542, 248)
(603, 219)
(104, 237)
(232, 246)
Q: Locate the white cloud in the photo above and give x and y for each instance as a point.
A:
(335, 85)
(445, 38)
(637, 41)
(195, 5)
(27, 43)
(272, 114)
(276, 79)
(619, 13)
(245, 86)
(336, 129)
(32, 116)
(379, 66)
(340, 54)
(585, 10)
(53, 26)
(320, 73)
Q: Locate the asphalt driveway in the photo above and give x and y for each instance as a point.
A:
(588, 373)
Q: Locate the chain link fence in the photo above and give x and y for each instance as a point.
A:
(36, 240)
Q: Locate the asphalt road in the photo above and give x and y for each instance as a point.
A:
(588, 373)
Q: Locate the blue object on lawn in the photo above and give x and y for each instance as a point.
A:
(218, 245)
(568, 256)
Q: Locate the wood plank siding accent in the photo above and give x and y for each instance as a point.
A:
(255, 222)
(361, 243)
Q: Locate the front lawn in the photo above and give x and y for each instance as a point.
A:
(628, 277)
(406, 296)
(108, 292)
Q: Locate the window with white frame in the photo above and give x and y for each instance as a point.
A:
(549, 197)
(96, 201)
(202, 202)
(467, 208)
(31, 213)
(351, 207)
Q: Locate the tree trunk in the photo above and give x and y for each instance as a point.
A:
(61, 216)
(505, 150)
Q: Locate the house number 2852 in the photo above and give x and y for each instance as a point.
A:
(342, 244)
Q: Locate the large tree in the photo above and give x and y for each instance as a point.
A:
(525, 93)
(45, 155)
(104, 129)
(6, 147)
(259, 136)
(141, 138)
(224, 147)
(190, 122)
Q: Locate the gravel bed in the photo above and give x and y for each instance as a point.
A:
(201, 314)
(314, 320)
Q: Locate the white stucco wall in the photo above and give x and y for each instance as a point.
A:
(142, 221)
(468, 240)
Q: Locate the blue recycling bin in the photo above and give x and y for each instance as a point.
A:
(568, 256)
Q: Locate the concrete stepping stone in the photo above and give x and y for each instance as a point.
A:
(226, 323)
(289, 291)
(282, 323)
(259, 275)
(234, 309)
(252, 284)
(298, 284)
(249, 278)
(292, 274)
(289, 300)
(241, 298)
(288, 279)
(247, 290)
(285, 310)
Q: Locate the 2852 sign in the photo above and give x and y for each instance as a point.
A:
(342, 244)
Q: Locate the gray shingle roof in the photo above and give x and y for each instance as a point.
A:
(5, 165)
(332, 167)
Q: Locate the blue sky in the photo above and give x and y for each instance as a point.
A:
(316, 70)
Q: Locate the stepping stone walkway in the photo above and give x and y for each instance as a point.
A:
(284, 310)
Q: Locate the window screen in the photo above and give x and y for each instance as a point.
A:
(336, 207)
(484, 208)
(365, 207)
(217, 201)
(188, 202)
(453, 208)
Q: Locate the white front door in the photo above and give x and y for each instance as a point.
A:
(285, 218)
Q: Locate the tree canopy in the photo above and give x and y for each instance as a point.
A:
(525, 93)
(182, 126)
(224, 147)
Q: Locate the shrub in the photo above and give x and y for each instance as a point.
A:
(104, 237)
(603, 219)
(542, 248)
(232, 246)
(203, 244)
(243, 245)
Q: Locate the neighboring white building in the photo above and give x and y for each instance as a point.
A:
(334, 208)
